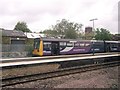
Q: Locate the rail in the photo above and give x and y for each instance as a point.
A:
(57, 73)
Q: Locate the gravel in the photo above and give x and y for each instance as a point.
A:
(103, 78)
(21, 71)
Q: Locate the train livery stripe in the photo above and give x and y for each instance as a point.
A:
(67, 49)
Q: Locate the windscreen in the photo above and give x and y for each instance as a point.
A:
(36, 43)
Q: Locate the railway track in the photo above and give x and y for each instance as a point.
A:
(57, 73)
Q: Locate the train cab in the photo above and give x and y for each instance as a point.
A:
(46, 47)
(38, 47)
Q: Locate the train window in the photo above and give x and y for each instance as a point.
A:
(62, 43)
(82, 44)
(114, 45)
(70, 44)
(36, 45)
(87, 44)
(77, 45)
(47, 46)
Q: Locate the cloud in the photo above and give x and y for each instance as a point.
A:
(41, 14)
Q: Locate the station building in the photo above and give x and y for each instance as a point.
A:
(17, 43)
(13, 37)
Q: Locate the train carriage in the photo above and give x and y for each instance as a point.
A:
(112, 46)
(98, 46)
(46, 46)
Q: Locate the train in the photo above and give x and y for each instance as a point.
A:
(52, 46)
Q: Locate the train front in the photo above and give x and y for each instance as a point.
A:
(38, 47)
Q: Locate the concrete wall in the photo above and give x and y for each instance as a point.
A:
(14, 51)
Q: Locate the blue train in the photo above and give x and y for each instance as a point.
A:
(44, 46)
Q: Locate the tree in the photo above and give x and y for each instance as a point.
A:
(22, 26)
(65, 29)
(103, 34)
(50, 33)
(115, 37)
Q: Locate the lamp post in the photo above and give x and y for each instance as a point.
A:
(93, 22)
(93, 45)
(93, 35)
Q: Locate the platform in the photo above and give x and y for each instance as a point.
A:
(27, 62)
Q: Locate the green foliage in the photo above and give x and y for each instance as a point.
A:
(29, 41)
(65, 29)
(71, 34)
(22, 26)
(102, 34)
(50, 33)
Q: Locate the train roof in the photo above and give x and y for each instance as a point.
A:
(63, 40)
(74, 40)
(69, 40)
(112, 41)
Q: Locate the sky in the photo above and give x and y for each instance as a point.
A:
(42, 14)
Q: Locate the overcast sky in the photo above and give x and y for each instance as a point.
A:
(41, 14)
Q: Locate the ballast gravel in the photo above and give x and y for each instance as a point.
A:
(102, 78)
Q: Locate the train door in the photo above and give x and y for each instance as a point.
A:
(107, 47)
(55, 50)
